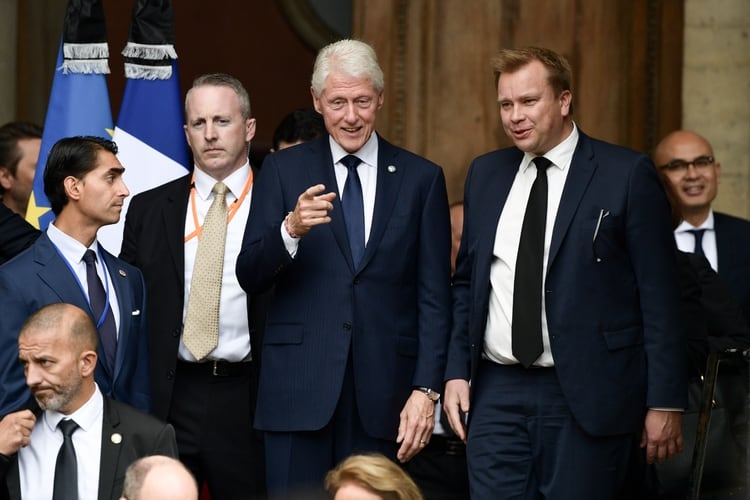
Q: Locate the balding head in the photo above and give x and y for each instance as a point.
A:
(686, 160)
(159, 478)
(57, 348)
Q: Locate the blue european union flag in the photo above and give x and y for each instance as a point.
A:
(78, 105)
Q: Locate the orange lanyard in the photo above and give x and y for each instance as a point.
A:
(230, 212)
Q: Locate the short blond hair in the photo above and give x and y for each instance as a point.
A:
(375, 473)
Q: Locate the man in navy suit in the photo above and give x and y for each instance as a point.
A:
(562, 393)
(687, 161)
(83, 181)
(355, 342)
(57, 349)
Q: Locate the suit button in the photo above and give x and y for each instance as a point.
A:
(347, 326)
(176, 332)
(356, 281)
(170, 374)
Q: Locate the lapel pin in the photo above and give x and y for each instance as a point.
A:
(116, 438)
(123, 273)
(391, 169)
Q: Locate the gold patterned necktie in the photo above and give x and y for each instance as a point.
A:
(201, 332)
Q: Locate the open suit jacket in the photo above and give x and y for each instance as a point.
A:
(127, 434)
(612, 301)
(39, 276)
(392, 312)
(733, 255)
(154, 240)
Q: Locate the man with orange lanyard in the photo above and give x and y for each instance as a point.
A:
(204, 331)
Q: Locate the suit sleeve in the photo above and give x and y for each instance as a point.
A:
(651, 248)
(433, 292)
(143, 370)
(15, 233)
(13, 312)
(263, 255)
(459, 362)
(165, 442)
(129, 248)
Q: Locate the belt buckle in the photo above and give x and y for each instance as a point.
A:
(219, 370)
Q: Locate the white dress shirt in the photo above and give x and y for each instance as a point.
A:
(72, 250)
(498, 338)
(234, 339)
(686, 241)
(36, 462)
(368, 175)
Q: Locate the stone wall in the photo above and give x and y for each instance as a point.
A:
(716, 91)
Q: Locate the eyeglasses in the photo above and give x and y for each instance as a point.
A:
(701, 164)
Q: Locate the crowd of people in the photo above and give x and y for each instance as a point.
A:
(327, 325)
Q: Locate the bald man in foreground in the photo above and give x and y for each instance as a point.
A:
(159, 478)
(69, 416)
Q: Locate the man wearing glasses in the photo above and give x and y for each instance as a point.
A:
(687, 162)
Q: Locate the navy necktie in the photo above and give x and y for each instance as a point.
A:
(354, 209)
(698, 235)
(526, 325)
(66, 468)
(98, 299)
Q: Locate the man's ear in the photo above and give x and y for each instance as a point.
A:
(6, 178)
(72, 187)
(87, 363)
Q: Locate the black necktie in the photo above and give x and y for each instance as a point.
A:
(354, 209)
(527, 287)
(698, 235)
(98, 299)
(66, 467)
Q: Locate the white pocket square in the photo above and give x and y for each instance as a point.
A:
(137, 312)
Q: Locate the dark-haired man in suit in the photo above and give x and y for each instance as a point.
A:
(57, 348)
(687, 162)
(565, 303)
(83, 182)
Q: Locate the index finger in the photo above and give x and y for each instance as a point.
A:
(313, 191)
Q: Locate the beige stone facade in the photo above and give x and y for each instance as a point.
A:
(716, 91)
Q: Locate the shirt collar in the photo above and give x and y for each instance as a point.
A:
(368, 153)
(560, 156)
(708, 224)
(204, 183)
(71, 248)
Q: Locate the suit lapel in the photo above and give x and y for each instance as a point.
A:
(495, 189)
(111, 447)
(173, 214)
(390, 174)
(582, 168)
(724, 247)
(323, 172)
(121, 284)
(56, 274)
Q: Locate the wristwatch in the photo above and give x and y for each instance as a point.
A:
(431, 395)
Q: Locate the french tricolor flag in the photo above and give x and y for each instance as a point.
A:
(149, 130)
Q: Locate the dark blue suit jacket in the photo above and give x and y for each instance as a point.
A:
(15, 234)
(39, 276)
(393, 313)
(733, 249)
(612, 303)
